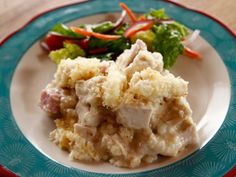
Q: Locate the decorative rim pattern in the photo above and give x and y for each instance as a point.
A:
(20, 156)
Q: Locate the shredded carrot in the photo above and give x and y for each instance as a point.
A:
(191, 53)
(81, 31)
(106, 36)
(97, 35)
(138, 26)
(129, 12)
(142, 18)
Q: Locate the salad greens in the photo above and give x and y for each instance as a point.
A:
(168, 43)
(116, 46)
(156, 14)
(121, 30)
(106, 56)
(107, 40)
(103, 27)
(69, 51)
(147, 36)
(177, 27)
(65, 31)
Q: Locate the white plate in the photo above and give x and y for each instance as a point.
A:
(207, 85)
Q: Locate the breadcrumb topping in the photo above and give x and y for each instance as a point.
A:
(125, 112)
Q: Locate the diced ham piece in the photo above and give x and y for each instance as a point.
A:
(50, 101)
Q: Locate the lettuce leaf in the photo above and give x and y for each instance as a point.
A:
(169, 43)
(69, 51)
(159, 14)
(147, 36)
(115, 46)
(103, 27)
(183, 31)
(121, 30)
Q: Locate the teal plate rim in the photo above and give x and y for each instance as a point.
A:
(20, 156)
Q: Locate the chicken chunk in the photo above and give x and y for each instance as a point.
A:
(128, 56)
(88, 107)
(143, 60)
(85, 131)
(137, 117)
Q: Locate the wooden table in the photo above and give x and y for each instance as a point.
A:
(15, 13)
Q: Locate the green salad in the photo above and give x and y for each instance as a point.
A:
(108, 40)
